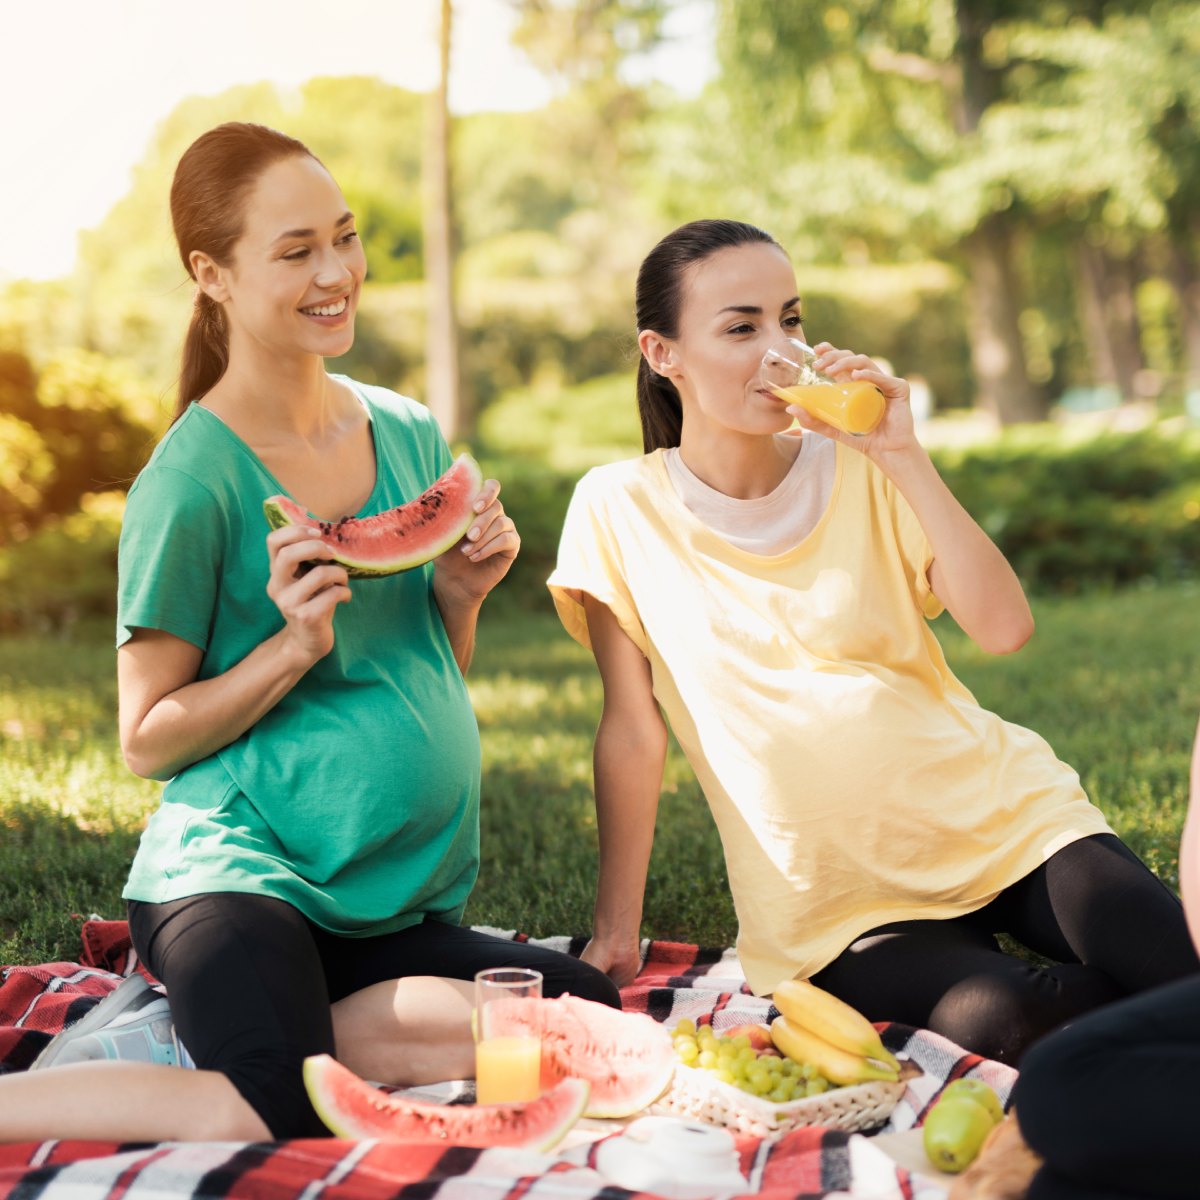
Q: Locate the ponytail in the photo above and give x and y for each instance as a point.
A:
(660, 409)
(212, 182)
(205, 352)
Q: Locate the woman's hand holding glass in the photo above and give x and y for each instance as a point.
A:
(895, 431)
(306, 596)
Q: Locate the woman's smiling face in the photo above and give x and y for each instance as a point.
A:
(297, 269)
(735, 304)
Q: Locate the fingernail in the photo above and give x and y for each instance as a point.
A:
(479, 506)
(473, 533)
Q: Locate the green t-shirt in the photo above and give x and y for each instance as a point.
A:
(356, 798)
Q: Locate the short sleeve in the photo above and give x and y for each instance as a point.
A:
(916, 552)
(589, 561)
(169, 560)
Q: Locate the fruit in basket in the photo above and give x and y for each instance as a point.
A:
(839, 1065)
(820, 1012)
(730, 1058)
(626, 1058)
(759, 1036)
(353, 1108)
(955, 1129)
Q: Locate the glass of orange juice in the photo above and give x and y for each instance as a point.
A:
(851, 405)
(508, 1042)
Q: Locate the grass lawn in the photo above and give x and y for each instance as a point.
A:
(1113, 682)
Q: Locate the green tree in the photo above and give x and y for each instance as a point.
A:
(443, 376)
(968, 128)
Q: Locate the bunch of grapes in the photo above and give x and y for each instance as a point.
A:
(734, 1060)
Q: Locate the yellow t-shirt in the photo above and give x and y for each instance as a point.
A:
(854, 780)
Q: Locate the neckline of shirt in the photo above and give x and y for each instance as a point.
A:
(371, 501)
(662, 480)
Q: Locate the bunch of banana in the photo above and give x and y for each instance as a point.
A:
(816, 1027)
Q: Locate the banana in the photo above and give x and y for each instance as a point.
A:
(815, 1009)
(836, 1064)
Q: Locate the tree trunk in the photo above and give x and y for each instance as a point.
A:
(442, 382)
(1184, 274)
(1109, 307)
(997, 353)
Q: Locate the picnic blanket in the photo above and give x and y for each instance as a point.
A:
(676, 980)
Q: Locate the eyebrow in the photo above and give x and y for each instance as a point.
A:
(753, 310)
(303, 233)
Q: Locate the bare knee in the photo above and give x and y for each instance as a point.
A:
(225, 1115)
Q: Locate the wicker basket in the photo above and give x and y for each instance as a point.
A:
(698, 1096)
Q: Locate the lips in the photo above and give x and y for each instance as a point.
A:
(328, 308)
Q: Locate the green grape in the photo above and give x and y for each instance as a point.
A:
(742, 1041)
(725, 1077)
(809, 1072)
(707, 1059)
(780, 1094)
(688, 1051)
(686, 1027)
(817, 1086)
(746, 1054)
(773, 1064)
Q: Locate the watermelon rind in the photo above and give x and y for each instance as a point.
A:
(351, 538)
(354, 1109)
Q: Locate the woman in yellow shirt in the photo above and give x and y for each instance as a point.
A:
(770, 594)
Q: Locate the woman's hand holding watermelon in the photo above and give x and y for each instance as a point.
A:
(306, 596)
(467, 572)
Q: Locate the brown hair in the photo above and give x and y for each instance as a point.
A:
(659, 300)
(208, 199)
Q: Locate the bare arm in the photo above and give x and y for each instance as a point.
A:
(1189, 851)
(968, 575)
(463, 576)
(170, 719)
(630, 749)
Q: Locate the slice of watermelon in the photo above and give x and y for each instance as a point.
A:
(353, 1108)
(627, 1059)
(401, 538)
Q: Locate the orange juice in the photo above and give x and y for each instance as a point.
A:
(508, 1070)
(855, 407)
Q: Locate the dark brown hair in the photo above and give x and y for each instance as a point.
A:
(208, 200)
(659, 300)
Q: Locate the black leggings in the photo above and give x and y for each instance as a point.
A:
(1110, 1101)
(1111, 926)
(251, 981)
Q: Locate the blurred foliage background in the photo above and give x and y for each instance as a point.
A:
(1000, 199)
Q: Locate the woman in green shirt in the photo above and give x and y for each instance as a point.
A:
(300, 888)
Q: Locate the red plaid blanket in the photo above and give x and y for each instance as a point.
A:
(675, 981)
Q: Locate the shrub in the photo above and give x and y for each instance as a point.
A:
(65, 571)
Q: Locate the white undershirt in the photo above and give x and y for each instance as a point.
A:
(770, 524)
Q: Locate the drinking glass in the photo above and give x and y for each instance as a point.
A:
(508, 1043)
(852, 405)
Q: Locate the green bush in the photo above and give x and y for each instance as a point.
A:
(1105, 511)
(65, 571)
